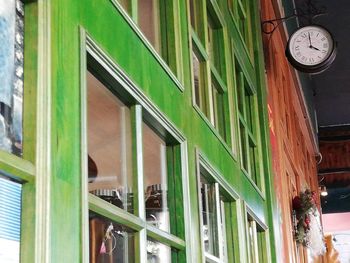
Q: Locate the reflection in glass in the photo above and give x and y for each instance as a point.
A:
(10, 221)
(148, 20)
(158, 252)
(11, 75)
(196, 78)
(219, 111)
(251, 240)
(126, 5)
(192, 14)
(109, 241)
(223, 227)
(209, 217)
(109, 146)
(155, 179)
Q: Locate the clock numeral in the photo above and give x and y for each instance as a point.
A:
(303, 58)
(323, 39)
(324, 51)
(303, 35)
(311, 60)
(317, 34)
(298, 54)
(325, 45)
(297, 47)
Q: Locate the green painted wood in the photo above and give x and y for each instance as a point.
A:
(116, 36)
(30, 80)
(28, 223)
(17, 167)
(43, 137)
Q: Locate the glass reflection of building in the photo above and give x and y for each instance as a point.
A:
(11, 75)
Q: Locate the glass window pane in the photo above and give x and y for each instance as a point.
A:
(109, 146)
(249, 103)
(251, 241)
(240, 83)
(10, 221)
(11, 75)
(199, 73)
(244, 153)
(196, 78)
(219, 110)
(158, 252)
(209, 217)
(148, 20)
(109, 241)
(155, 179)
(253, 162)
(223, 228)
(193, 14)
(125, 4)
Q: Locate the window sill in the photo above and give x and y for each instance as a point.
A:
(148, 45)
(16, 167)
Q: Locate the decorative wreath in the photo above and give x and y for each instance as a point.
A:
(308, 230)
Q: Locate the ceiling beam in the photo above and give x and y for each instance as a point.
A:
(329, 171)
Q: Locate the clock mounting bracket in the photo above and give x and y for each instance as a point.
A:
(307, 13)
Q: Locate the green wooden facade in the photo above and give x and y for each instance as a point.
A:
(222, 133)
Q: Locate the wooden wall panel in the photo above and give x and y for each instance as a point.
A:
(293, 150)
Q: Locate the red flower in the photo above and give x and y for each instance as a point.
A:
(296, 203)
(307, 220)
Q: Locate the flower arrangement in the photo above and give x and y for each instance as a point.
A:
(308, 231)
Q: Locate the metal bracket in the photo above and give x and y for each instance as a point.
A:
(308, 14)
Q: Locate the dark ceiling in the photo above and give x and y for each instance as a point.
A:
(332, 100)
(332, 88)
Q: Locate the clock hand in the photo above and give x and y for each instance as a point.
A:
(314, 48)
(309, 40)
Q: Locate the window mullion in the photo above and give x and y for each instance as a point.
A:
(218, 220)
(255, 242)
(223, 231)
(134, 10)
(139, 202)
(206, 203)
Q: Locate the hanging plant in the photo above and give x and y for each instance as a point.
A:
(308, 231)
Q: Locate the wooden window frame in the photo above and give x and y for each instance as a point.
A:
(249, 129)
(214, 72)
(241, 12)
(143, 109)
(260, 237)
(224, 194)
(30, 169)
(172, 60)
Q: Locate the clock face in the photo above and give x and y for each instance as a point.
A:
(311, 45)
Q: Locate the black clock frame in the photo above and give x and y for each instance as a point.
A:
(313, 69)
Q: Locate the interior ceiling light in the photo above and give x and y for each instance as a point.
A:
(323, 190)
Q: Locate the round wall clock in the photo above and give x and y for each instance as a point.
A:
(311, 49)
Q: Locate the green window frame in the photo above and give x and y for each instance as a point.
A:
(163, 36)
(28, 166)
(142, 111)
(247, 106)
(217, 214)
(256, 238)
(242, 13)
(209, 83)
